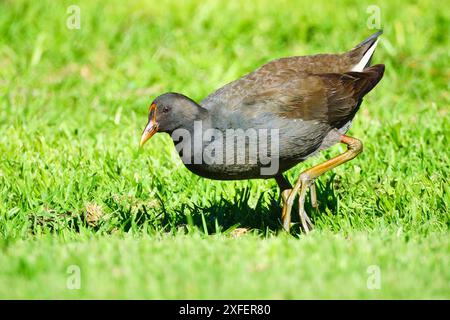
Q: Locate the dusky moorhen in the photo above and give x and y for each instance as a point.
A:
(308, 101)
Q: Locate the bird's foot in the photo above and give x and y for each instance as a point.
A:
(306, 182)
(312, 190)
(288, 196)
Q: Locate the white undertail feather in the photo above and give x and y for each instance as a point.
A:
(365, 59)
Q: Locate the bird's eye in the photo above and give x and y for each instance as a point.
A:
(165, 109)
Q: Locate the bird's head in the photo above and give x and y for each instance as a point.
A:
(169, 112)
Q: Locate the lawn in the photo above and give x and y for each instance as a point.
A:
(85, 214)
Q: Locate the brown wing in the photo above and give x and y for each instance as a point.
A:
(330, 97)
(282, 70)
(262, 79)
(273, 74)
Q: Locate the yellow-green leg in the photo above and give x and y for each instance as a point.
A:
(306, 179)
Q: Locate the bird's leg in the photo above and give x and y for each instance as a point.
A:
(306, 178)
(285, 188)
(285, 215)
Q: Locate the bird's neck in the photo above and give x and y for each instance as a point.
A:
(201, 121)
(188, 138)
(193, 116)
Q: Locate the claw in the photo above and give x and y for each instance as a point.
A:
(306, 182)
(312, 189)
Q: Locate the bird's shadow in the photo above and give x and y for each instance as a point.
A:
(227, 214)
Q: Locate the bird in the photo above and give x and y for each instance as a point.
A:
(271, 119)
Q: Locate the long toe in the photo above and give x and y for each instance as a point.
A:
(306, 222)
(313, 193)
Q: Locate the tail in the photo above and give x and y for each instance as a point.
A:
(363, 52)
(367, 80)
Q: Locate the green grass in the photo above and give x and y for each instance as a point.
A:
(75, 190)
(323, 265)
